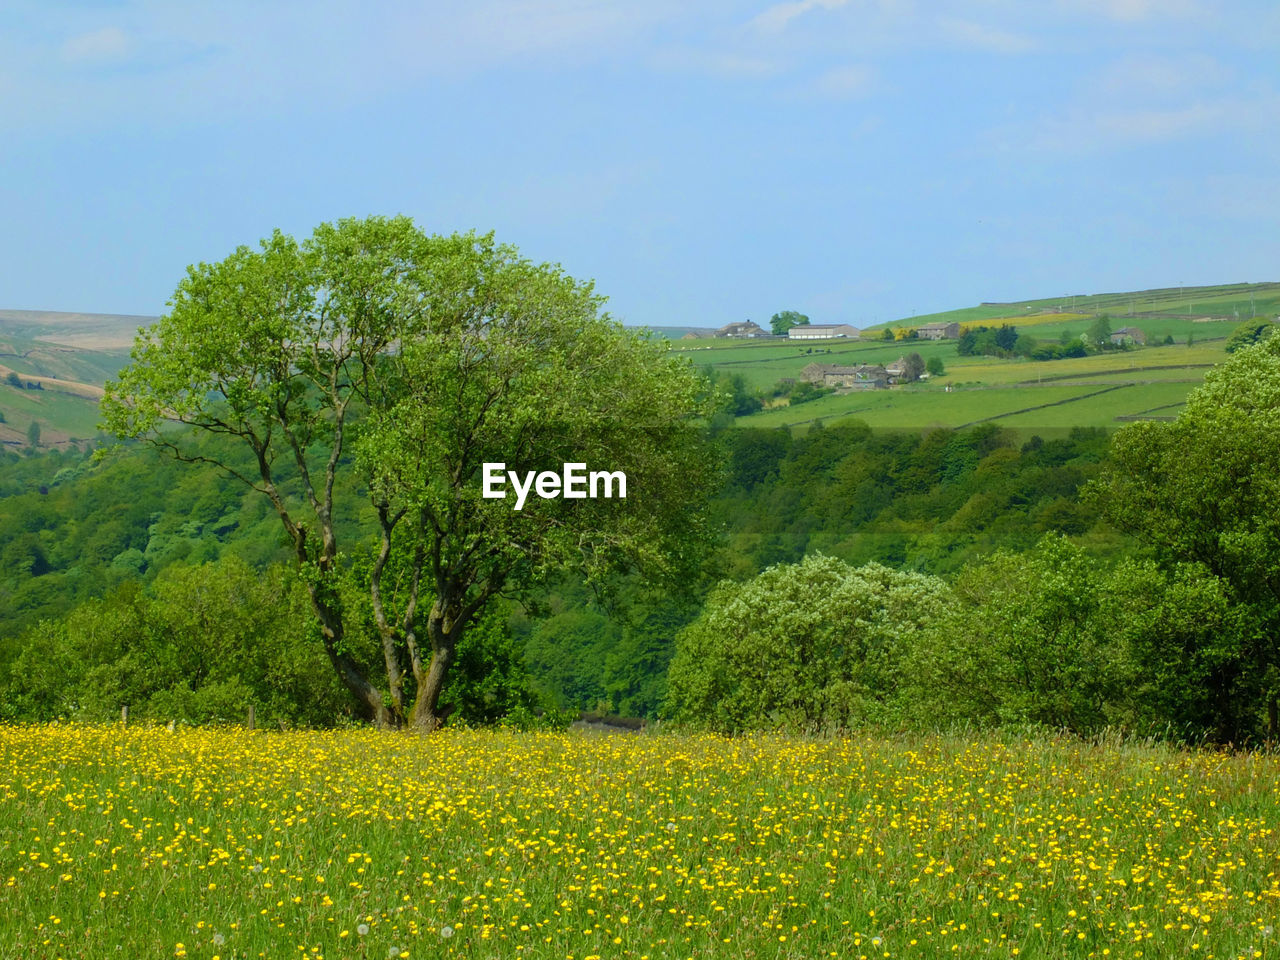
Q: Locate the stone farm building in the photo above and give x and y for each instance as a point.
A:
(822, 331)
(1129, 335)
(746, 328)
(939, 331)
(861, 377)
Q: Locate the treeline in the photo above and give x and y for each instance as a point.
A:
(917, 501)
(99, 557)
(1049, 637)
(1177, 639)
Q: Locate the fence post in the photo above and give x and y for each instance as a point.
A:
(252, 718)
(124, 715)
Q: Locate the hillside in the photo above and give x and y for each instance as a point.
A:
(1185, 330)
(105, 332)
(60, 362)
(1230, 301)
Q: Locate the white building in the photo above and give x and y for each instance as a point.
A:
(822, 331)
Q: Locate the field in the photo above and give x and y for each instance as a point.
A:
(1018, 393)
(1197, 319)
(62, 416)
(236, 844)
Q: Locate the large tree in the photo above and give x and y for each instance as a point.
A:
(784, 320)
(415, 360)
(1205, 488)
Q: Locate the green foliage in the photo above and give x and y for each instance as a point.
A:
(987, 341)
(441, 353)
(818, 644)
(784, 320)
(935, 366)
(803, 391)
(1098, 335)
(33, 433)
(489, 681)
(1249, 333)
(1071, 347)
(928, 502)
(736, 395)
(559, 651)
(1053, 638)
(1204, 488)
(200, 646)
(913, 366)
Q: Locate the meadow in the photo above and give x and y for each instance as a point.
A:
(1010, 391)
(233, 844)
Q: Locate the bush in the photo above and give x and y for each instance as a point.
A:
(818, 644)
(1050, 637)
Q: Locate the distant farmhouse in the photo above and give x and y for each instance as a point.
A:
(938, 331)
(746, 328)
(861, 377)
(1129, 335)
(822, 331)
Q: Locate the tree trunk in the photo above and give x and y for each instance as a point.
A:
(444, 630)
(369, 696)
(426, 717)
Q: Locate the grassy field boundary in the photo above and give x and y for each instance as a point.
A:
(1042, 406)
(1119, 370)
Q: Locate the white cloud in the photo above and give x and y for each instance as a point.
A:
(99, 46)
(1146, 75)
(846, 82)
(776, 18)
(715, 62)
(1085, 131)
(516, 27)
(1132, 10)
(968, 34)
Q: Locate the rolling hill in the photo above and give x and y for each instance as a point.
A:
(1186, 331)
(52, 368)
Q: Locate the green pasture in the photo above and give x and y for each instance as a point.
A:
(986, 387)
(1235, 301)
(914, 408)
(59, 414)
(1102, 409)
(41, 359)
(1094, 403)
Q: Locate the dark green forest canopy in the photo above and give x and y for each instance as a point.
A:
(73, 529)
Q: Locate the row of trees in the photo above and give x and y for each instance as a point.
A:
(1048, 637)
(358, 381)
(1183, 641)
(136, 520)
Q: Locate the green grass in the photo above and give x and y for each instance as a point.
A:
(233, 844)
(37, 358)
(1102, 409)
(918, 408)
(61, 416)
(986, 387)
(1234, 301)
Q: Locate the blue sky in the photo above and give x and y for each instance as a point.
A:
(858, 160)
